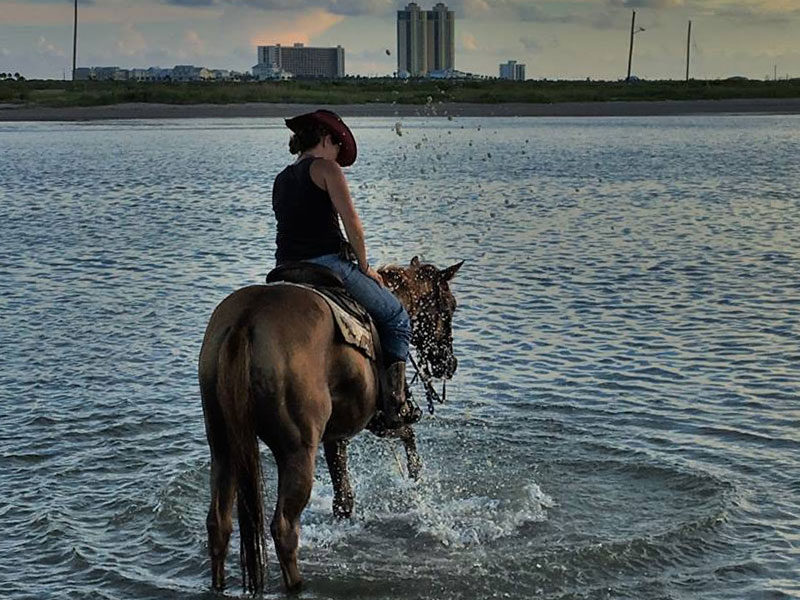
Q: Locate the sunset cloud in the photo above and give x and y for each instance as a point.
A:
(745, 9)
(130, 42)
(530, 43)
(555, 38)
(192, 46)
(337, 7)
(767, 12)
(46, 48)
(655, 4)
(468, 42)
(61, 13)
(300, 28)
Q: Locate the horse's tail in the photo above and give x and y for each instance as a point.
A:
(235, 399)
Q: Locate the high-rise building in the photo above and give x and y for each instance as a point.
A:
(411, 40)
(425, 40)
(512, 70)
(441, 39)
(302, 61)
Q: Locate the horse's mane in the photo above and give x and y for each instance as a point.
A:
(394, 276)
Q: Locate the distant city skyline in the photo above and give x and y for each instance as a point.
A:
(566, 39)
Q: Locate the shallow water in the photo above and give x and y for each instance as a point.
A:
(623, 424)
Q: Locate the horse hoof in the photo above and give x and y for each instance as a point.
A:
(218, 586)
(294, 588)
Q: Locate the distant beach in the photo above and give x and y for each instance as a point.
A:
(15, 112)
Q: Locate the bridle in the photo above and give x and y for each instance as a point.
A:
(423, 369)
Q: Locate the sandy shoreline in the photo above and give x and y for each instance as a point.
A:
(263, 110)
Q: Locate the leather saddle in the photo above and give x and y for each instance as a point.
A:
(353, 324)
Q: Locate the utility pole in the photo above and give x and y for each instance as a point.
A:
(75, 41)
(775, 77)
(688, 50)
(630, 52)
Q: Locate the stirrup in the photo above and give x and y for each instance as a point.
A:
(411, 413)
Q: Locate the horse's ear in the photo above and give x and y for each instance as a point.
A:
(415, 262)
(450, 272)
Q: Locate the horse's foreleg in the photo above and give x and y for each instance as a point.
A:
(406, 434)
(343, 498)
(219, 520)
(295, 477)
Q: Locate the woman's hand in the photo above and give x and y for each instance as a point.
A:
(373, 274)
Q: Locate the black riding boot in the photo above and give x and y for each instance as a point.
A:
(397, 410)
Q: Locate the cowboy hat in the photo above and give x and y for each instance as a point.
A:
(339, 132)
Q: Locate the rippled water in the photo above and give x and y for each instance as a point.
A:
(624, 422)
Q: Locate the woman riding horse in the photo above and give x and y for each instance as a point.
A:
(272, 367)
(308, 198)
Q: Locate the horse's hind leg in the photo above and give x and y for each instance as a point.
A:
(343, 498)
(219, 520)
(295, 477)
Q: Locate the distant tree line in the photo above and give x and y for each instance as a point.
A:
(15, 76)
(426, 93)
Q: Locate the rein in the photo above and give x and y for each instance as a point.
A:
(427, 382)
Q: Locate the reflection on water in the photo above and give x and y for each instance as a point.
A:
(624, 420)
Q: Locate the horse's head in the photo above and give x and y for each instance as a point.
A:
(425, 292)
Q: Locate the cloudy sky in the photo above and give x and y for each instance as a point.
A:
(568, 39)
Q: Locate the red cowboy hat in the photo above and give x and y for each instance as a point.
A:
(339, 131)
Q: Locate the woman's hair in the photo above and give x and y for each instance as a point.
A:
(307, 138)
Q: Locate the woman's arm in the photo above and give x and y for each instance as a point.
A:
(335, 184)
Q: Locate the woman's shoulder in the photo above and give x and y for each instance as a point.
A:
(325, 166)
(322, 170)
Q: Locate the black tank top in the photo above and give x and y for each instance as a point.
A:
(308, 224)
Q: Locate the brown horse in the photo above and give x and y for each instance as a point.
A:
(271, 368)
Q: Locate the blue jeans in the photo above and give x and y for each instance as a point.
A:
(391, 319)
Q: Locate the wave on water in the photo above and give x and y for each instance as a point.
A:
(476, 520)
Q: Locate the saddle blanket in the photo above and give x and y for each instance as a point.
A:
(352, 330)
